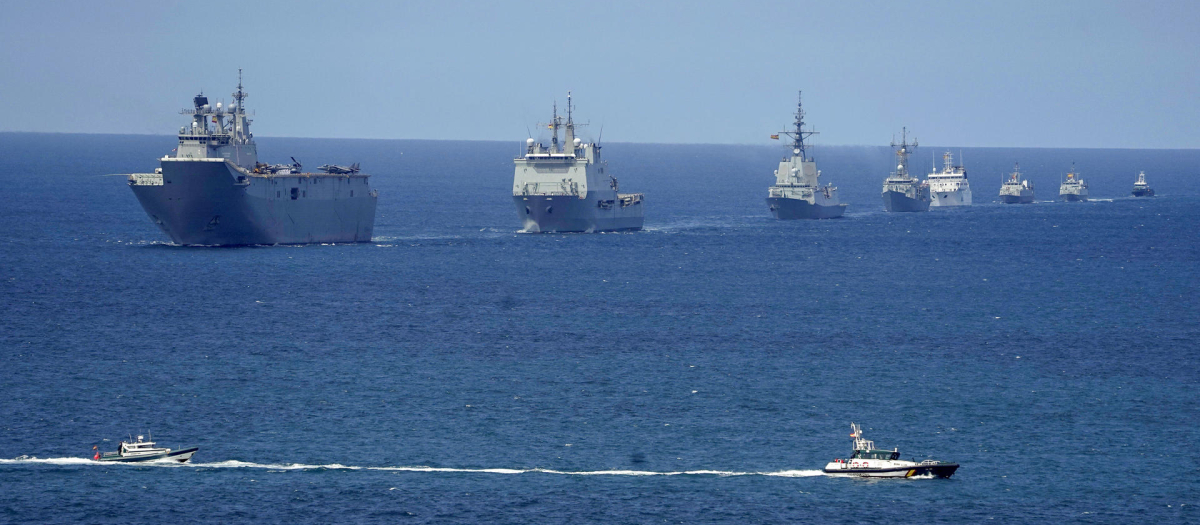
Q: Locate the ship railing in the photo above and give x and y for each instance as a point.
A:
(145, 179)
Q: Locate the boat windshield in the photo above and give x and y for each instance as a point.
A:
(875, 454)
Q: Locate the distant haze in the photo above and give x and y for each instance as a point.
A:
(1019, 74)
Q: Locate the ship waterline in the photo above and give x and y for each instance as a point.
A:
(214, 202)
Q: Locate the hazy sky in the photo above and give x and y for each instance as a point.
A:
(961, 73)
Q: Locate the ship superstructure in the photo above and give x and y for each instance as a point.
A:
(213, 191)
(797, 193)
(901, 191)
(566, 187)
(1017, 189)
(1073, 188)
(1141, 188)
(950, 186)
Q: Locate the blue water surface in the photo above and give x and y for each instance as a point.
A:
(702, 370)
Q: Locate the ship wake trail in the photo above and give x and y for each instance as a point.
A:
(235, 464)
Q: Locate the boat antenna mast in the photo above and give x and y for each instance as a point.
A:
(555, 123)
(798, 135)
(239, 116)
(903, 151)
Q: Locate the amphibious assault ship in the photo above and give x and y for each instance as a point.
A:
(213, 190)
(901, 191)
(1016, 190)
(950, 186)
(1074, 188)
(797, 193)
(1141, 188)
(567, 188)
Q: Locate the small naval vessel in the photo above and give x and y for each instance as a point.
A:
(1141, 188)
(1016, 190)
(142, 450)
(567, 188)
(213, 191)
(1074, 188)
(950, 186)
(868, 462)
(901, 191)
(797, 193)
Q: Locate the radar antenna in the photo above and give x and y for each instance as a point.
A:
(798, 134)
(903, 151)
(240, 95)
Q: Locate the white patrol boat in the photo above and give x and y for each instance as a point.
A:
(868, 462)
(142, 450)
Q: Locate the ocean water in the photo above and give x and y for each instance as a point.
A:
(703, 370)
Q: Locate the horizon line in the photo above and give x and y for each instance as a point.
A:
(614, 142)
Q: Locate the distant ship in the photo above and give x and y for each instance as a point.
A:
(1141, 188)
(1016, 190)
(1074, 188)
(567, 188)
(901, 191)
(797, 193)
(213, 190)
(949, 187)
(142, 450)
(869, 462)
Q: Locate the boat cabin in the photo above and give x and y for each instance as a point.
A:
(876, 454)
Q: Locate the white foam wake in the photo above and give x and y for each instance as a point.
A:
(233, 463)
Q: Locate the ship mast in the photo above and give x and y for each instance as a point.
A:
(903, 152)
(799, 134)
(239, 115)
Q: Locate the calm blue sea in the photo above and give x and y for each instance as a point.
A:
(702, 370)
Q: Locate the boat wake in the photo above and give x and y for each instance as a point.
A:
(336, 466)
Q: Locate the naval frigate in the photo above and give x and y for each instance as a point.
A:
(1017, 189)
(901, 191)
(213, 191)
(797, 193)
(950, 186)
(1073, 188)
(567, 187)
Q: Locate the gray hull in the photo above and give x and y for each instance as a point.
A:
(210, 203)
(567, 213)
(1072, 198)
(1016, 199)
(895, 201)
(789, 209)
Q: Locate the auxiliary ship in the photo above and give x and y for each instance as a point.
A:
(213, 190)
(567, 188)
(1074, 188)
(901, 191)
(950, 186)
(1141, 188)
(1016, 190)
(797, 193)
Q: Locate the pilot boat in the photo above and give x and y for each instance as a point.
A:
(142, 450)
(869, 462)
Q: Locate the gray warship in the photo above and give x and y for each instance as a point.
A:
(1017, 189)
(797, 193)
(1074, 188)
(901, 191)
(213, 191)
(567, 188)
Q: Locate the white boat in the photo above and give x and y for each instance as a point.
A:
(869, 462)
(949, 187)
(142, 450)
